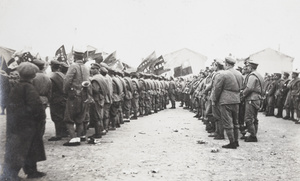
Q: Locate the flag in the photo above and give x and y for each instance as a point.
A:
(186, 68)
(118, 65)
(178, 71)
(111, 59)
(157, 65)
(3, 65)
(5, 56)
(90, 52)
(61, 55)
(27, 57)
(98, 57)
(146, 63)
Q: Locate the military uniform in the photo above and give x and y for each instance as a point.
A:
(77, 105)
(171, 91)
(58, 104)
(135, 96)
(253, 97)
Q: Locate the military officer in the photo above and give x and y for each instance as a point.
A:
(252, 95)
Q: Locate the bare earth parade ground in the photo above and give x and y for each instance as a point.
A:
(164, 146)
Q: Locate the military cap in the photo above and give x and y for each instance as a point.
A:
(103, 70)
(54, 62)
(230, 60)
(252, 64)
(78, 53)
(134, 74)
(27, 70)
(64, 64)
(295, 72)
(95, 66)
(38, 62)
(126, 73)
(277, 74)
(219, 61)
(286, 74)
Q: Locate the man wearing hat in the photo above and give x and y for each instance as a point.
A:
(100, 89)
(270, 94)
(294, 88)
(57, 101)
(42, 82)
(107, 98)
(64, 67)
(252, 95)
(25, 127)
(116, 99)
(279, 102)
(135, 95)
(215, 125)
(172, 88)
(76, 108)
(128, 97)
(227, 96)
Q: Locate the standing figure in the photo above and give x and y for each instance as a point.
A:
(252, 95)
(171, 91)
(24, 127)
(77, 105)
(57, 102)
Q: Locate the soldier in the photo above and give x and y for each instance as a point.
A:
(120, 75)
(181, 87)
(135, 95)
(227, 95)
(148, 94)
(25, 126)
(295, 93)
(57, 101)
(287, 103)
(100, 90)
(253, 96)
(216, 126)
(128, 97)
(284, 90)
(64, 67)
(142, 96)
(108, 98)
(171, 91)
(271, 97)
(116, 98)
(279, 95)
(77, 105)
(245, 72)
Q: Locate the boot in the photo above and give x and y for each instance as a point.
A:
(279, 114)
(251, 139)
(231, 145)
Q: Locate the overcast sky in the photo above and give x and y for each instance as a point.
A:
(136, 28)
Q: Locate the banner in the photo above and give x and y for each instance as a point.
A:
(186, 68)
(61, 55)
(178, 71)
(111, 59)
(145, 65)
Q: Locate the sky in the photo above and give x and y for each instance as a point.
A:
(136, 28)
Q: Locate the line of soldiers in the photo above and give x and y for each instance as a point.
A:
(102, 98)
(282, 93)
(225, 99)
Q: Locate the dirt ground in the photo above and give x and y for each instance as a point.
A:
(163, 146)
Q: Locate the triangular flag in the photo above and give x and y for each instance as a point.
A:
(111, 59)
